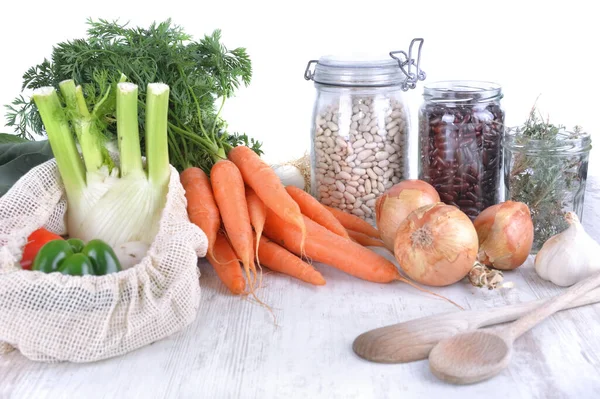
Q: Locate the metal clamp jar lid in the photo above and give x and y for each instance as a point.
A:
(394, 71)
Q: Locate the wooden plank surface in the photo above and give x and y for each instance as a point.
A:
(235, 350)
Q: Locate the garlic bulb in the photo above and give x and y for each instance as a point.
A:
(568, 257)
(290, 175)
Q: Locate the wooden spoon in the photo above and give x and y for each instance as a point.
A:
(478, 355)
(412, 340)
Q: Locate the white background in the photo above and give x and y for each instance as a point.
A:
(529, 47)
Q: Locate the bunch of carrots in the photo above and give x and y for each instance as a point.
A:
(249, 217)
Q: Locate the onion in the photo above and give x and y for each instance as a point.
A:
(436, 245)
(505, 235)
(398, 202)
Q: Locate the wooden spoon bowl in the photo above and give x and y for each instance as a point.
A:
(470, 357)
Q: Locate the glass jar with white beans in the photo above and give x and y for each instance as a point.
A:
(360, 128)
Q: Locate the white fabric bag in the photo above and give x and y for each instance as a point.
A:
(55, 317)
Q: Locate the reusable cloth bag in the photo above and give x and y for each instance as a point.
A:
(55, 317)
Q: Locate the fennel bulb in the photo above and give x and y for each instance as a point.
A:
(117, 204)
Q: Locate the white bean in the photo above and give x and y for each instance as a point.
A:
(364, 155)
(381, 155)
(350, 189)
(358, 212)
(340, 142)
(359, 143)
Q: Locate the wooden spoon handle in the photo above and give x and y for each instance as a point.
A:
(535, 316)
(413, 339)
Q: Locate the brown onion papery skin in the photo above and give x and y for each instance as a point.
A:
(505, 235)
(398, 202)
(452, 250)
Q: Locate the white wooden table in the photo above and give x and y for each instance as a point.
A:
(234, 350)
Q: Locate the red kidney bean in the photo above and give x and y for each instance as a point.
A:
(461, 156)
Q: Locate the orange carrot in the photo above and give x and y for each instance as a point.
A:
(281, 260)
(201, 206)
(365, 240)
(258, 214)
(266, 184)
(324, 246)
(229, 192)
(315, 211)
(226, 264)
(354, 223)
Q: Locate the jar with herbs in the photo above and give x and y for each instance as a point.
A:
(460, 134)
(360, 128)
(545, 166)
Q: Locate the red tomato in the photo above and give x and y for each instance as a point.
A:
(35, 242)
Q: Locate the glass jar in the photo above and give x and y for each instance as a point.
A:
(360, 128)
(460, 134)
(549, 175)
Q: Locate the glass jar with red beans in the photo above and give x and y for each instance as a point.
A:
(461, 126)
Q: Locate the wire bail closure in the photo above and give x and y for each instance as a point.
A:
(308, 74)
(411, 78)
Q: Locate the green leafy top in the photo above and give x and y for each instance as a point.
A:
(197, 72)
(536, 128)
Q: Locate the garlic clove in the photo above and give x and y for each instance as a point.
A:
(569, 256)
(290, 175)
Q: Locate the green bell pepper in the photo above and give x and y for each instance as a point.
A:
(77, 265)
(76, 244)
(102, 256)
(74, 258)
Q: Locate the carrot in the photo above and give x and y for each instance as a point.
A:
(315, 211)
(201, 206)
(229, 192)
(266, 184)
(324, 246)
(354, 223)
(365, 240)
(226, 264)
(281, 260)
(258, 214)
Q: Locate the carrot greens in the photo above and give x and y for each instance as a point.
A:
(201, 76)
